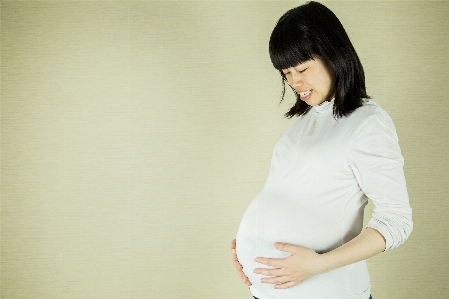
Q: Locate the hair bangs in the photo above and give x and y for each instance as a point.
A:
(288, 47)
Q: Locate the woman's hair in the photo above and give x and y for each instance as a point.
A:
(313, 31)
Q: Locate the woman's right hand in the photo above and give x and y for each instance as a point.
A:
(237, 264)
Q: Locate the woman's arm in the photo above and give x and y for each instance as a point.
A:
(377, 164)
(303, 263)
(367, 244)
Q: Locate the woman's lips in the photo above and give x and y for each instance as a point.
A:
(304, 96)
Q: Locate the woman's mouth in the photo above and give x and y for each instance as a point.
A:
(305, 95)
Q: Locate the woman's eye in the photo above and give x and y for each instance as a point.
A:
(302, 71)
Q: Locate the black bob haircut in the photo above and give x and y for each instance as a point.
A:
(313, 31)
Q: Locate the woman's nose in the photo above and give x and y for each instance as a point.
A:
(297, 79)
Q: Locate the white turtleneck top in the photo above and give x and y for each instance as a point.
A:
(322, 173)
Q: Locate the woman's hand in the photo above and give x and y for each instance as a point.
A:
(302, 264)
(237, 264)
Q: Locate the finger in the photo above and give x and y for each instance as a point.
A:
(237, 264)
(286, 247)
(233, 244)
(275, 280)
(269, 261)
(241, 274)
(235, 260)
(244, 277)
(246, 281)
(234, 254)
(270, 272)
(286, 285)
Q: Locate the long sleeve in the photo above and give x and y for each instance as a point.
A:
(376, 161)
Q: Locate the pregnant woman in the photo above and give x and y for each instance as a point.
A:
(302, 237)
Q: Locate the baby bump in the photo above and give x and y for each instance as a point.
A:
(274, 218)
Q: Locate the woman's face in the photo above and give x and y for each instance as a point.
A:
(313, 80)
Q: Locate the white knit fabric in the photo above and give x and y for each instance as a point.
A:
(323, 171)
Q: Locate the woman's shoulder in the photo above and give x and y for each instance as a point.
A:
(371, 114)
(370, 110)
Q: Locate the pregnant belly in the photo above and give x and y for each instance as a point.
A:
(272, 218)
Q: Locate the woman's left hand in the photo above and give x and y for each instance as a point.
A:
(302, 264)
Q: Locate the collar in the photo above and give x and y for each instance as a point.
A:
(324, 107)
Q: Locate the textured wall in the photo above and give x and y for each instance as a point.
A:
(135, 134)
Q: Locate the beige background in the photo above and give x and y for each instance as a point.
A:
(135, 134)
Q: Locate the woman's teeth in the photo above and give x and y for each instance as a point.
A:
(305, 93)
